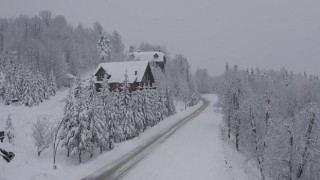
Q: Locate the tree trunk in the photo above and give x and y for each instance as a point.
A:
(238, 133)
(54, 155)
(68, 152)
(305, 151)
(262, 173)
(291, 159)
(80, 156)
(237, 141)
(254, 131)
(229, 127)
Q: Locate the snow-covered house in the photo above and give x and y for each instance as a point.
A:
(156, 58)
(139, 74)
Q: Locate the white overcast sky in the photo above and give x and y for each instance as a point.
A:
(210, 33)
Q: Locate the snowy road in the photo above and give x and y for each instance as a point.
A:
(194, 152)
(126, 164)
(192, 149)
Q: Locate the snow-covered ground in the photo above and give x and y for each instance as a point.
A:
(26, 162)
(196, 151)
(27, 165)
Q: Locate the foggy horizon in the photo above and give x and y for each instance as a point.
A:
(251, 34)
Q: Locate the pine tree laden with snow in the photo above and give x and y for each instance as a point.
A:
(126, 108)
(27, 97)
(52, 84)
(78, 136)
(147, 108)
(106, 111)
(169, 102)
(104, 46)
(137, 110)
(68, 112)
(96, 121)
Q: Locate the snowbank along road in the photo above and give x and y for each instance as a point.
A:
(119, 170)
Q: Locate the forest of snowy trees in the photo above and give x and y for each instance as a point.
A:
(99, 119)
(18, 83)
(47, 42)
(274, 118)
(37, 53)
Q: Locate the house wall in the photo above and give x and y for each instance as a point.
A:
(100, 74)
(147, 80)
(158, 64)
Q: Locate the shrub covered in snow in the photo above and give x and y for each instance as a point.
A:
(42, 134)
(194, 99)
(9, 129)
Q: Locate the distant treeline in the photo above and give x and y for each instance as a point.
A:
(33, 47)
(46, 42)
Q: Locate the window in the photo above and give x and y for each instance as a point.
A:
(156, 56)
(135, 73)
(100, 77)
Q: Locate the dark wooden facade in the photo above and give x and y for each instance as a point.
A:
(146, 82)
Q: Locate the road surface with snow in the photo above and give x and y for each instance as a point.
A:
(196, 151)
(124, 165)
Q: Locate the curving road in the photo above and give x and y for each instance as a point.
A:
(125, 165)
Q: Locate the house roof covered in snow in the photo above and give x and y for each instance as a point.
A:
(153, 56)
(134, 69)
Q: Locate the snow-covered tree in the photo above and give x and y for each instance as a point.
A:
(104, 46)
(147, 105)
(169, 102)
(203, 81)
(8, 95)
(9, 129)
(271, 116)
(101, 136)
(78, 136)
(42, 134)
(106, 111)
(117, 116)
(2, 86)
(137, 110)
(117, 47)
(52, 85)
(95, 117)
(27, 97)
(39, 88)
(68, 112)
(127, 119)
